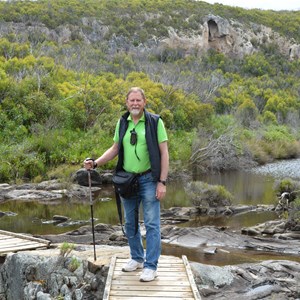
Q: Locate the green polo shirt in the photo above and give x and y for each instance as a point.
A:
(139, 150)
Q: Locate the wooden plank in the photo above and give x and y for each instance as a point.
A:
(161, 274)
(23, 236)
(20, 248)
(158, 282)
(191, 278)
(109, 278)
(5, 237)
(16, 241)
(146, 298)
(172, 283)
(174, 288)
(161, 269)
(13, 242)
(167, 294)
(165, 279)
(20, 245)
(162, 259)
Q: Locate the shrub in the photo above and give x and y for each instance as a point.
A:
(204, 194)
(66, 249)
(74, 264)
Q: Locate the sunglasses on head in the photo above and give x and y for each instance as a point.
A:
(133, 137)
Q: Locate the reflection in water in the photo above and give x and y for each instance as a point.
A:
(248, 188)
(234, 222)
(224, 256)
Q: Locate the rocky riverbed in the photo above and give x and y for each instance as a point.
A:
(46, 274)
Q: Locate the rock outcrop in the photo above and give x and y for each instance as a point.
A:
(226, 36)
(46, 275)
(267, 280)
(230, 37)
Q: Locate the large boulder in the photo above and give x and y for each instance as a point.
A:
(82, 177)
(26, 276)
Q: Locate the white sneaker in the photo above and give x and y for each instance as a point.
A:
(132, 265)
(148, 275)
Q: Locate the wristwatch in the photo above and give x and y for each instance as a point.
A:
(162, 181)
(95, 165)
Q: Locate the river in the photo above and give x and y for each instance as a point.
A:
(248, 187)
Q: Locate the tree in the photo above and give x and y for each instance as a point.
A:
(247, 113)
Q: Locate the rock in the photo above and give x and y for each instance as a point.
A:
(4, 186)
(107, 177)
(229, 37)
(210, 250)
(49, 185)
(212, 276)
(209, 236)
(268, 228)
(45, 191)
(48, 276)
(268, 280)
(81, 177)
(32, 195)
(294, 52)
(104, 234)
(58, 218)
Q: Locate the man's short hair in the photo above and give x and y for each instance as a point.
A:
(136, 89)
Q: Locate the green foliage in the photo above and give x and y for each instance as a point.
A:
(247, 113)
(10, 49)
(273, 142)
(221, 124)
(257, 65)
(205, 195)
(66, 249)
(286, 185)
(60, 98)
(292, 187)
(180, 146)
(74, 264)
(269, 118)
(282, 103)
(277, 133)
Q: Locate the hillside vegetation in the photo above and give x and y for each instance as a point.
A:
(65, 68)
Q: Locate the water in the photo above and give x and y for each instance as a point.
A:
(247, 187)
(36, 218)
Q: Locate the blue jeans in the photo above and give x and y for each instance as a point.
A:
(151, 212)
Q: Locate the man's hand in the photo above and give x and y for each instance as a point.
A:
(88, 163)
(161, 190)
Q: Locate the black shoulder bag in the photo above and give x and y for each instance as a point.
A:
(126, 184)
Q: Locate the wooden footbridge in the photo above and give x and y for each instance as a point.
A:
(175, 281)
(14, 242)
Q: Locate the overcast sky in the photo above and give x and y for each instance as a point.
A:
(262, 4)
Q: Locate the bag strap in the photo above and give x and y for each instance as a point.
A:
(136, 215)
(118, 201)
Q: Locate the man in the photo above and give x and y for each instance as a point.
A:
(140, 141)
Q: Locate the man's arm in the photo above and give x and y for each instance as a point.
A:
(164, 163)
(164, 166)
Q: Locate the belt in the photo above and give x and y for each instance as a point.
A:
(144, 173)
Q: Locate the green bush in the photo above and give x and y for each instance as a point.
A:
(205, 195)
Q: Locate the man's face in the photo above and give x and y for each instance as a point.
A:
(135, 103)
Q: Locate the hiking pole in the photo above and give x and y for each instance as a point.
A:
(92, 212)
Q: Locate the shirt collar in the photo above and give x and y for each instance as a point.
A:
(142, 119)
